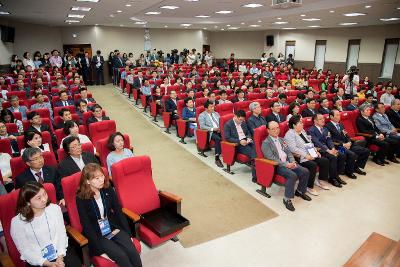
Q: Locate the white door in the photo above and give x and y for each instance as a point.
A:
(389, 60)
(289, 50)
(319, 56)
(352, 57)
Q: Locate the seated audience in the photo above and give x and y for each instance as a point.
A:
(15, 107)
(22, 88)
(65, 115)
(294, 109)
(12, 137)
(84, 95)
(5, 170)
(115, 144)
(394, 113)
(324, 109)
(40, 104)
(236, 131)
(97, 115)
(209, 120)
(282, 100)
(353, 150)
(72, 129)
(189, 114)
(255, 120)
(171, 105)
(275, 115)
(81, 107)
(34, 139)
(239, 96)
(76, 159)
(310, 110)
(223, 97)
(321, 138)
(353, 103)
(301, 146)
(38, 230)
(64, 101)
(274, 148)
(387, 97)
(8, 117)
(338, 104)
(36, 125)
(146, 90)
(339, 95)
(102, 220)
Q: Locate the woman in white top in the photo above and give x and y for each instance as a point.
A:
(72, 129)
(34, 139)
(38, 230)
(27, 60)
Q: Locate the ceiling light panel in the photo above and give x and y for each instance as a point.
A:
(91, 1)
(76, 16)
(348, 23)
(311, 19)
(80, 8)
(390, 19)
(252, 5)
(170, 7)
(224, 12)
(186, 24)
(355, 14)
(202, 16)
(280, 22)
(72, 21)
(153, 13)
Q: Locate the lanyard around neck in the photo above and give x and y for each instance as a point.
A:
(48, 227)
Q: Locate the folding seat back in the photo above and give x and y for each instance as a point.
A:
(260, 134)
(43, 112)
(8, 203)
(70, 108)
(103, 150)
(290, 99)
(253, 96)
(101, 129)
(264, 103)
(307, 123)
(46, 139)
(345, 103)
(222, 121)
(12, 128)
(180, 106)
(5, 146)
(58, 119)
(302, 107)
(17, 115)
(346, 118)
(20, 94)
(243, 105)
(18, 165)
(200, 101)
(284, 111)
(283, 128)
(87, 147)
(265, 112)
(224, 109)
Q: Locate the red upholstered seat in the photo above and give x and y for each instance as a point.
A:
(8, 202)
(12, 128)
(18, 165)
(103, 150)
(5, 146)
(46, 139)
(70, 185)
(137, 192)
(244, 105)
(102, 129)
(224, 109)
(43, 112)
(59, 133)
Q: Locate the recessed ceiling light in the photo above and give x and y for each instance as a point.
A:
(222, 29)
(112, 15)
(367, 6)
(390, 19)
(80, 8)
(96, 24)
(311, 19)
(204, 28)
(228, 25)
(135, 19)
(259, 21)
(121, 25)
(191, 0)
(331, 11)
(348, 23)
(72, 21)
(224, 12)
(215, 26)
(76, 16)
(278, 18)
(141, 22)
(4, 13)
(314, 26)
(186, 24)
(242, 23)
(302, 15)
(254, 25)
(355, 14)
(252, 5)
(93, 1)
(170, 7)
(74, 35)
(1, 4)
(202, 16)
(128, 5)
(165, 26)
(280, 22)
(153, 13)
(398, 8)
(119, 11)
(233, 28)
(288, 28)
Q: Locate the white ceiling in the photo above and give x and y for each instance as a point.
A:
(54, 13)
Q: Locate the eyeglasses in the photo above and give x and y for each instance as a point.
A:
(75, 146)
(36, 159)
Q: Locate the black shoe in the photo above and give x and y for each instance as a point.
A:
(335, 182)
(303, 196)
(289, 205)
(359, 171)
(378, 162)
(218, 162)
(351, 176)
(254, 179)
(385, 162)
(394, 160)
(341, 181)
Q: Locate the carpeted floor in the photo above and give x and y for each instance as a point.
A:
(215, 206)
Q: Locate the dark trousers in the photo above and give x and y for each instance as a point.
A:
(86, 74)
(362, 153)
(383, 148)
(349, 158)
(394, 147)
(99, 76)
(121, 250)
(312, 166)
(250, 151)
(216, 137)
(70, 260)
(333, 165)
(291, 176)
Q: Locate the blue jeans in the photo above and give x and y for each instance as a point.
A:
(291, 175)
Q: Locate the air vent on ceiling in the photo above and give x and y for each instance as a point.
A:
(286, 3)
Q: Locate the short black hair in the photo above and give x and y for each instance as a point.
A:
(68, 125)
(207, 103)
(322, 99)
(315, 116)
(293, 121)
(369, 95)
(67, 141)
(110, 142)
(238, 91)
(28, 136)
(221, 92)
(282, 96)
(187, 99)
(301, 96)
(31, 115)
(309, 100)
(62, 111)
(96, 106)
(240, 113)
(332, 112)
(82, 88)
(272, 104)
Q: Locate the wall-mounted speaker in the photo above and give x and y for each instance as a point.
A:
(270, 40)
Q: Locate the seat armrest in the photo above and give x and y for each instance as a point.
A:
(229, 143)
(97, 154)
(6, 261)
(131, 215)
(364, 134)
(271, 162)
(77, 236)
(170, 196)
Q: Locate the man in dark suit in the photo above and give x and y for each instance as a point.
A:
(65, 115)
(38, 172)
(321, 138)
(353, 103)
(255, 120)
(367, 126)
(98, 61)
(394, 113)
(84, 95)
(64, 101)
(76, 159)
(275, 115)
(85, 67)
(310, 110)
(37, 126)
(236, 131)
(239, 96)
(171, 105)
(97, 115)
(117, 64)
(356, 155)
(324, 109)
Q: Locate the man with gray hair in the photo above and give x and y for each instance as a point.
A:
(15, 107)
(38, 172)
(394, 113)
(255, 120)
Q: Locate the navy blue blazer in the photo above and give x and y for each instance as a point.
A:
(338, 137)
(272, 117)
(60, 103)
(323, 141)
(231, 134)
(254, 122)
(170, 105)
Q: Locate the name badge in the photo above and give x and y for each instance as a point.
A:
(104, 227)
(49, 253)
